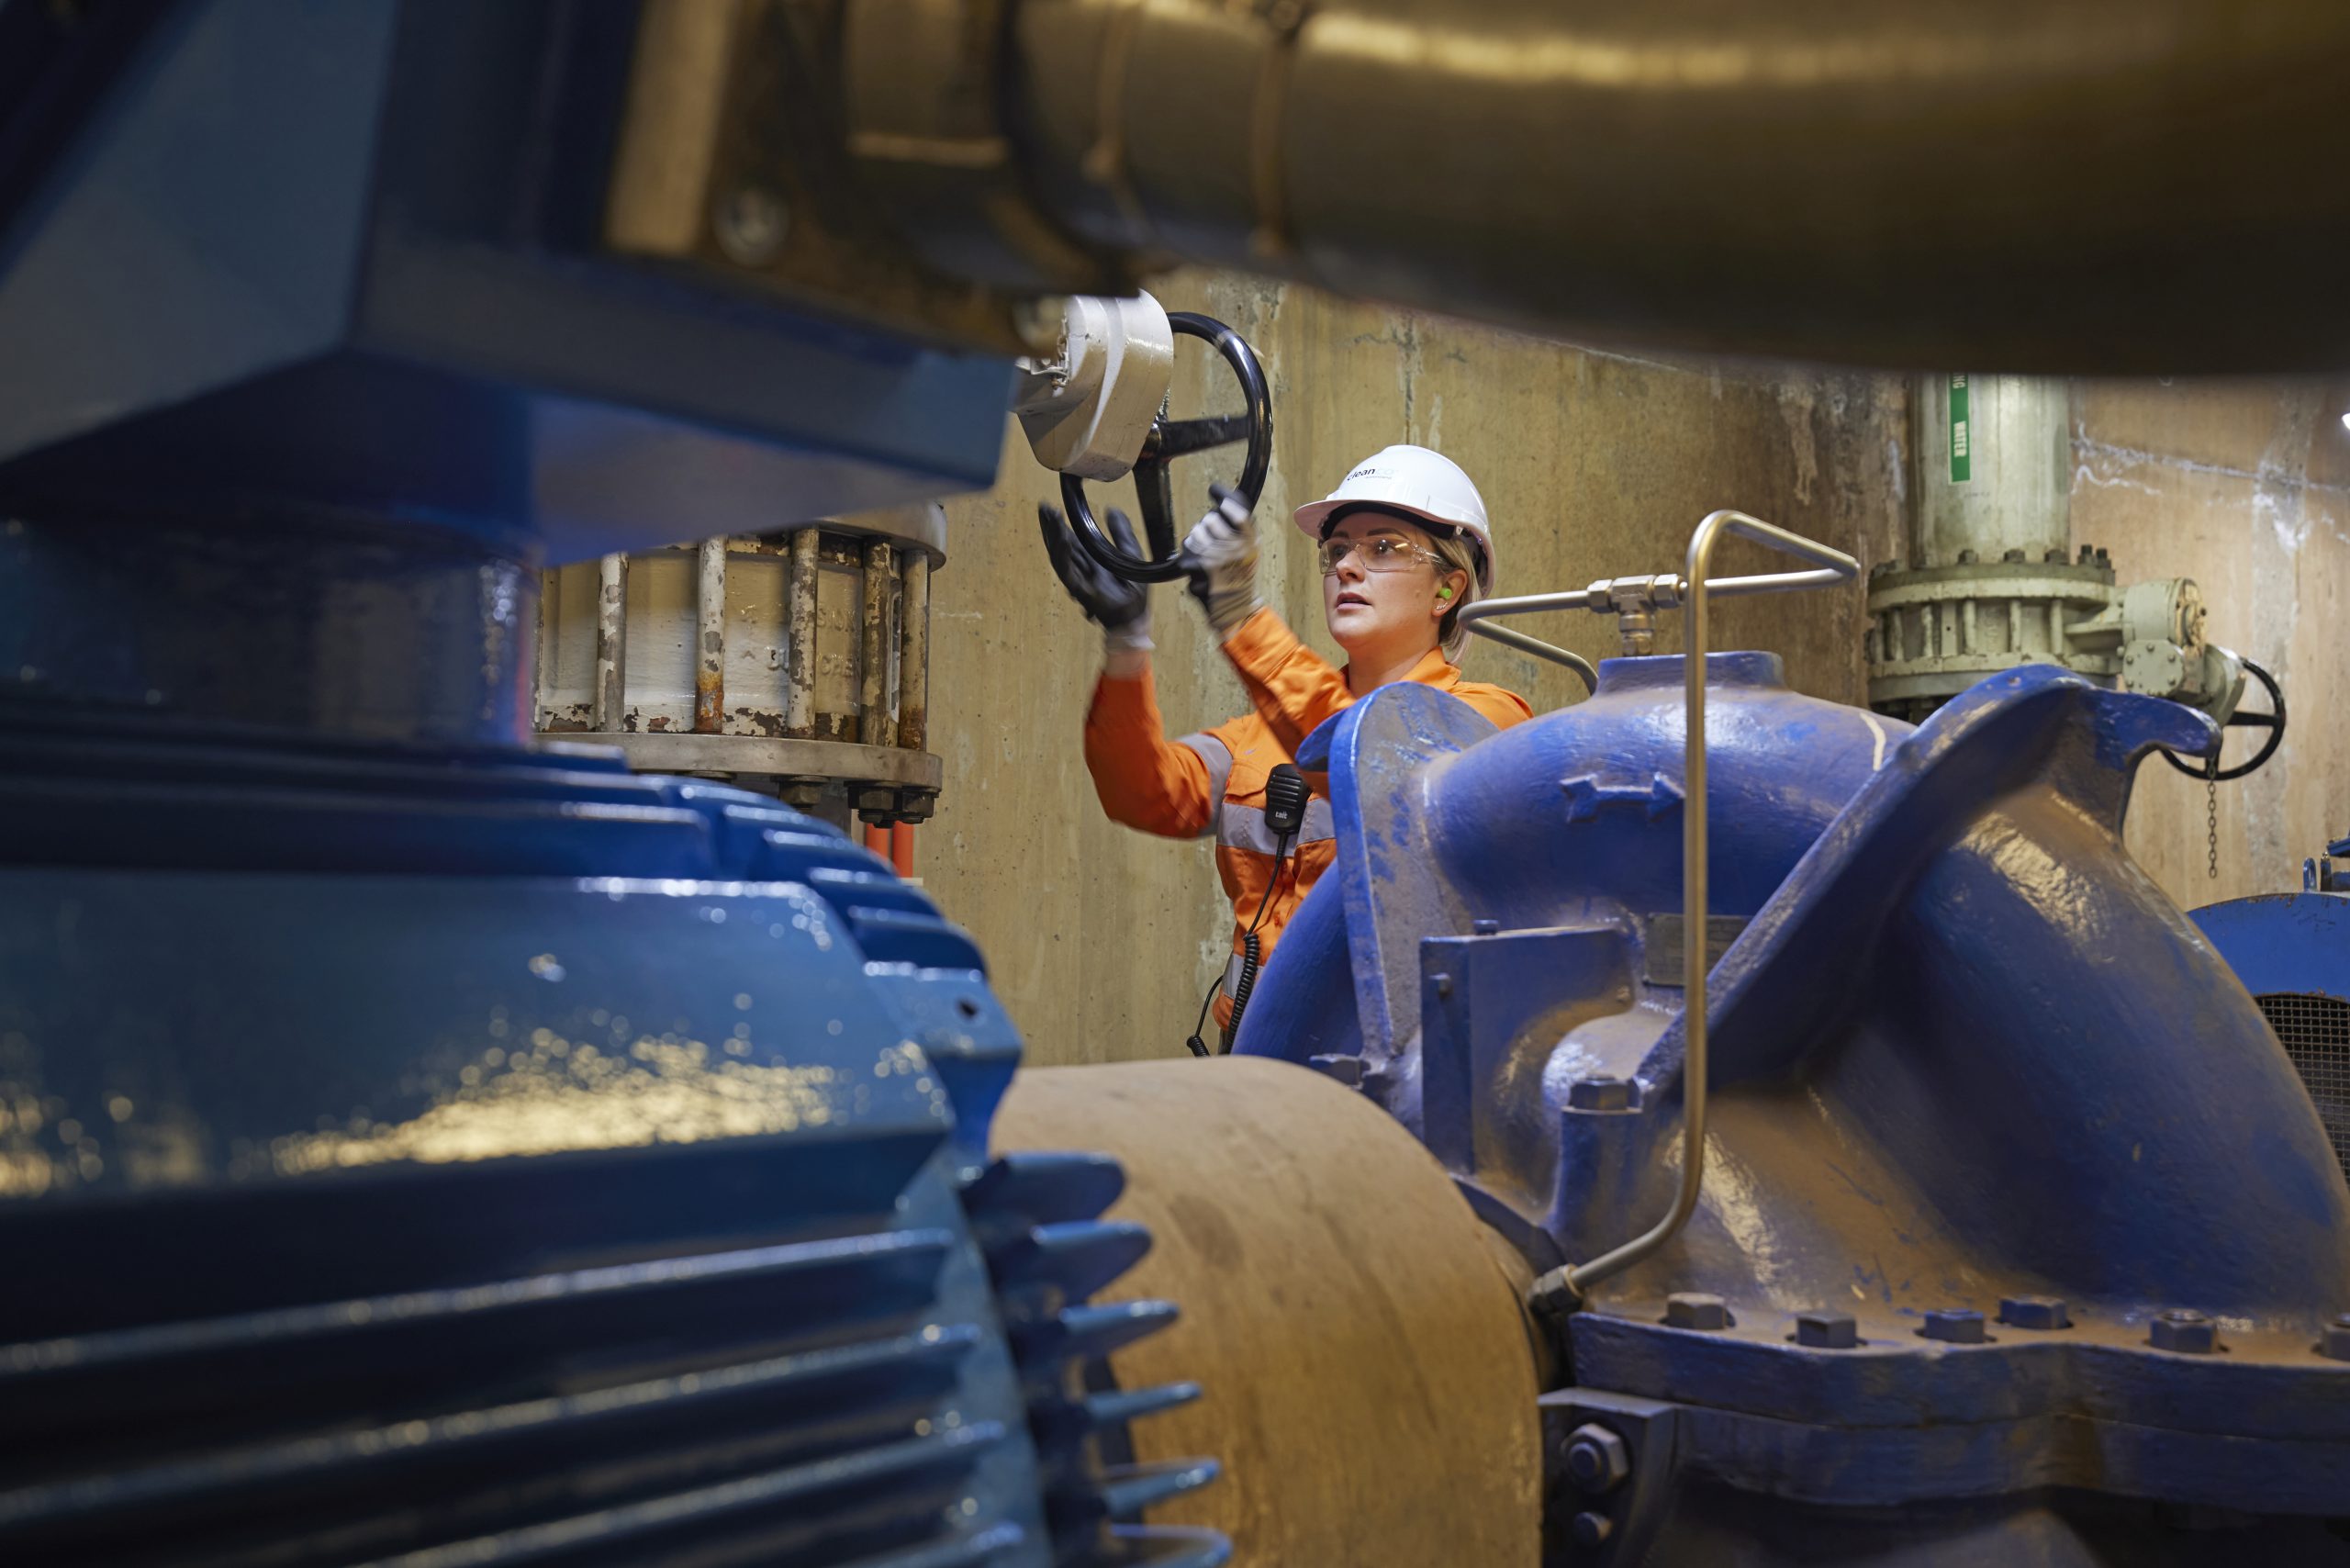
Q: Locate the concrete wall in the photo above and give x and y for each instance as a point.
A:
(2246, 487)
(1592, 465)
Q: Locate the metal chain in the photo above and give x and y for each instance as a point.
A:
(2212, 815)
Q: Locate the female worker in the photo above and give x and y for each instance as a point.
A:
(1403, 545)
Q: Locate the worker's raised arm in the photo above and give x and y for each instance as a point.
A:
(1143, 780)
(1292, 687)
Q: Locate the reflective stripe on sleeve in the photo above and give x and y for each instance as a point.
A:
(1239, 826)
(1218, 756)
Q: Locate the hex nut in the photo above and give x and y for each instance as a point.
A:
(1600, 1095)
(1826, 1330)
(2334, 1340)
(2184, 1333)
(1693, 1309)
(1484, 928)
(2013, 557)
(1593, 1529)
(1597, 1460)
(2034, 1312)
(1954, 1326)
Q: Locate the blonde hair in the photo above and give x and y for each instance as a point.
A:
(1458, 549)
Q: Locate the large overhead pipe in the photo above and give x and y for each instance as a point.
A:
(2092, 185)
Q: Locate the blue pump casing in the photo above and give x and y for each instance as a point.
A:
(1966, 1060)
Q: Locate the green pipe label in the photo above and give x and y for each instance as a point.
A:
(1961, 461)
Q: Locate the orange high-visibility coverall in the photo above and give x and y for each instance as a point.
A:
(1214, 781)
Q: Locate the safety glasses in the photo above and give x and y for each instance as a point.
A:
(1381, 553)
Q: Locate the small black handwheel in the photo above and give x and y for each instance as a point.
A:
(2272, 722)
(1169, 439)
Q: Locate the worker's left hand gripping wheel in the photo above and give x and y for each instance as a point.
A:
(2272, 722)
(1170, 439)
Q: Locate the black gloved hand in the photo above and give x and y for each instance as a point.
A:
(1120, 608)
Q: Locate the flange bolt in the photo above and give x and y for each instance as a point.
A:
(2184, 1333)
(1826, 1330)
(2034, 1312)
(1954, 1326)
(1599, 1095)
(1597, 1460)
(1691, 1309)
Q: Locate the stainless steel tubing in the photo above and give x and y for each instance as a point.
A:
(1584, 670)
(1476, 617)
(2096, 186)
(1835, 566)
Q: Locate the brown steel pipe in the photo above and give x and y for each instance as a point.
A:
(2087, 185)
(1369, 1384)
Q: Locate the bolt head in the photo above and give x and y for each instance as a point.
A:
(2334, 1342)
(1954, 1326)
(1693, 1309)
(1592, 1529)
(2184, 1333)
(2034, 1312)
(1967, 557)
(2053, 558)
(1597, 1460)
(1826, 1330)
(1443, 985)
(2013, 557)
(1484, 928)
(1600, 1095)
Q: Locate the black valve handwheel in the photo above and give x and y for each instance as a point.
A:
(2272, 722)
(1170, 439)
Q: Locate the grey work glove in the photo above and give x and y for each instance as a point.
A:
(1120, 608)
(1220, 557)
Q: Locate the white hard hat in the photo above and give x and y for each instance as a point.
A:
(1416, 482)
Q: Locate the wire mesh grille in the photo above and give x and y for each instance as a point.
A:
(2316, 1034)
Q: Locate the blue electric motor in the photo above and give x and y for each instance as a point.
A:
(433, 1148)
(2292, 952)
